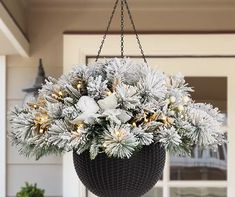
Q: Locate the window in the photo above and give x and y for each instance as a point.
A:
(195, 176)
(198, 57)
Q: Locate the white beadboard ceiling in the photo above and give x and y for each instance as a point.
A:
(12, 40)
(135, 4)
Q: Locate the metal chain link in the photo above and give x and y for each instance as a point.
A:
(122, 28)
(107, 30)
(134, 27)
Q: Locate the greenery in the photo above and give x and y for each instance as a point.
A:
(30, 191)
(114, 107)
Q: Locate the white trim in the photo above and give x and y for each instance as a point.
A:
(210, 184)
(166, 176)
(12, 32)
(72, 186)
(77, 47)
(3, 126)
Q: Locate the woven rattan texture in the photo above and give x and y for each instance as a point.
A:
(111, 177)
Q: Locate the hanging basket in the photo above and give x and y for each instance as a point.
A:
(112, 177)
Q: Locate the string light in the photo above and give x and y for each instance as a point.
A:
(41, 131)
(120, 134)
(80, 126)
(54, 95)
(146, 120)
(134, 124)
(109, 93)
(78, 131)
(33, 105)
(153, 117)
(79, 85)
(60, 93)
(41, 118)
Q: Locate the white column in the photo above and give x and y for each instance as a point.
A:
(72, 186)
(3, 126)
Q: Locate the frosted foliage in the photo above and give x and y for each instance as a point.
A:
(114, 107)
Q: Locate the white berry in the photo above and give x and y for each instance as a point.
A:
(172, 99)
(180, 108)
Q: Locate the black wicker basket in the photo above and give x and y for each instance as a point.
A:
(111, 177)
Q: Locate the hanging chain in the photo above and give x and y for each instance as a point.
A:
(107, 30)
(123, 3)
(122, 28)
(137, 36)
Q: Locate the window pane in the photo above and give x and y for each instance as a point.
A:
(198, 192)
(204, 164)
(155, 192)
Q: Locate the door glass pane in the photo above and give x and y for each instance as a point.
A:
(155, 192)
(198, 192)
(204, 164)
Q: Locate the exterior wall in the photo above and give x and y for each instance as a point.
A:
(46, 172)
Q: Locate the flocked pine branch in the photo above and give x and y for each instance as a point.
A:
(114, 107)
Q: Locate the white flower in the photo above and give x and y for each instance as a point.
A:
(117, 115)
(87, 104)
(89, 108)
(110, 102)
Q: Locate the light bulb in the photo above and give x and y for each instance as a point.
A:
(146, 120)
(134, 124)
(80, 125)
(109, 93)
(79, 86)
(41, 131)
(119, 134)
(60, 93)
